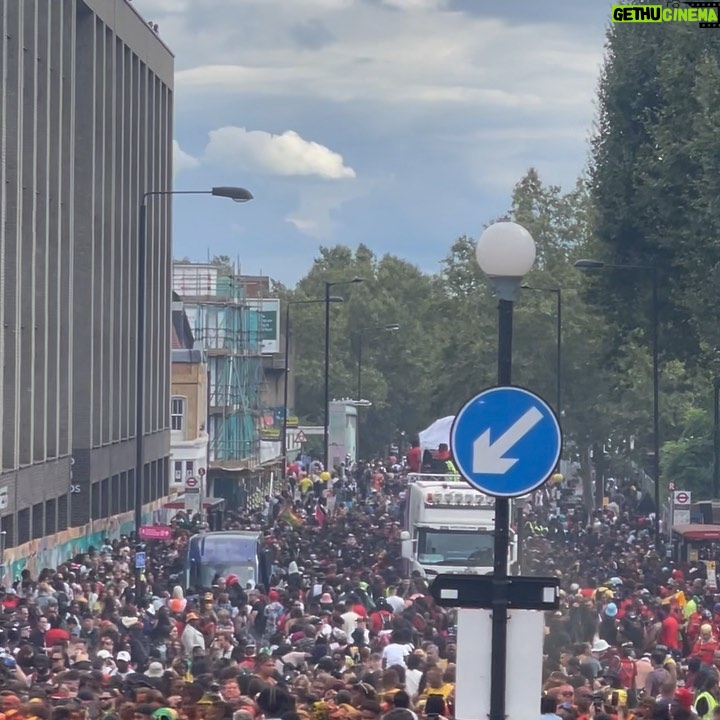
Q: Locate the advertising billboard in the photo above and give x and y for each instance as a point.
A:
(268, 311)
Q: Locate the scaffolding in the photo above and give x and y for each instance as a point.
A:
(229, 329)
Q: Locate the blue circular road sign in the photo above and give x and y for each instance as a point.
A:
(506, 441)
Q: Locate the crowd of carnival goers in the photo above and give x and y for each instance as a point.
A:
(340, 632)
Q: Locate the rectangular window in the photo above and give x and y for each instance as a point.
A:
(50, 517)
(38, 520)
(23, 532)
(130, 497)
(178, 471)
(177, 413)
(62, 520)
(8, 527)
(115, 495)
(189, 467)
(95, 501)
(105, 498)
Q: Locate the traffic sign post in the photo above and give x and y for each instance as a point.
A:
(476, 592)
(474, 596)
(300, 438)
(506, 441)
(496, 434)
(193, 495)
(681, 507)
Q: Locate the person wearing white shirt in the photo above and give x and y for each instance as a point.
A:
(398, 649)
(350, 621)
(413, 675)
(396, 603)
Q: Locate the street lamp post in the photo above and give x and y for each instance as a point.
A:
(716, 438)
(505, 252)
(326, 393)
(589, 265)
(558, 352)
(237, 194)
(286, 371)
(393, 327)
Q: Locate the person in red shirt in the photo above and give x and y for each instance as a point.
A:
(414, 456)
(443, 452)
(669, 630)
(706, 645)
(381, 617)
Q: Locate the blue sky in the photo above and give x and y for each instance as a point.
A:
(398, 123)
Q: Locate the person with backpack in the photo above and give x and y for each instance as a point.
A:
(382, 617)
(627, 673)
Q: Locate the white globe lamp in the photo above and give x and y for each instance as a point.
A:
(505, 252)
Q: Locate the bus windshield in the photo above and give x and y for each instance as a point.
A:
(471, 548)
(208, 571)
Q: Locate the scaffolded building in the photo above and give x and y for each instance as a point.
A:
(228, 326)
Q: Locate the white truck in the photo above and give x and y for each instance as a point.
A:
(449, 527)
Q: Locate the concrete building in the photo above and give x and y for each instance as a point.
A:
(85, 129)
(189, 402)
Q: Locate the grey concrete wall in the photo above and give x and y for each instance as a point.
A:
(85, 130)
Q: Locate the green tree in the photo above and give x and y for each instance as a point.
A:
(394, 368)
(688, 461)
(654, 182)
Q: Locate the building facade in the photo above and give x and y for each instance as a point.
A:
(85, 131)
(188, 403)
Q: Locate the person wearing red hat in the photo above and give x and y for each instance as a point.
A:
(274, 611)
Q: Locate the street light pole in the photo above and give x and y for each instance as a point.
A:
(326, 381)
(326, 374)
(558, 352)
(394, 327)
(588, 265)
(286, 371)
(716, 438)
(237, 194)
(505, 253)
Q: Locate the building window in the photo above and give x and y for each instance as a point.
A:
(177, 413)
(23, 531)
(62, 521)
(178, 471)
(50, 517)
(38, 520)
(189, 467)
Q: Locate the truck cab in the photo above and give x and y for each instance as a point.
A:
(449, 527)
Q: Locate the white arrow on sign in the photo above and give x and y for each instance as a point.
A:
(488, 458)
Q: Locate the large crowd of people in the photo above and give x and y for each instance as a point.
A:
(340, 632)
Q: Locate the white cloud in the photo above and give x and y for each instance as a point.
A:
(319, 204)
(415, 4)
(410, 58)
(182, 160)
(287, 154)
